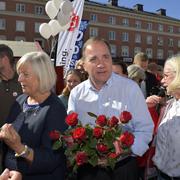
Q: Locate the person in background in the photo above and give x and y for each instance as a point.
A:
(154, 69)
(136, 73)
(109, 94)
(119, 67)
(27, 144)
(10, 175)
(80, 66)
(10, 88)
(72, 79)
(150, 81)
(167, 154)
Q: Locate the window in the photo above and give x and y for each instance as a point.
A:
(160, 41)
(20, 8)
(170, 29)
(93, 32)
(125, 36)
(170, 42)
(125, 22)
(125, 51)
(136, 50)
(160, 27)
(160, 54)
(179, 43)
(149, 52)
(149, 39)
(39, 10)
(36, 27)
(112, 35)
(137, 38)
(179, 30)
(112, 20)
(138, 24)
(20, 38)
(93, 17)
(20, 26)
(170, 53)
(2, 24)
(149, 26)
(2, 6)
(113, 50)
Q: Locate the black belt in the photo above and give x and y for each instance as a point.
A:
(124, 161)
(165, 176)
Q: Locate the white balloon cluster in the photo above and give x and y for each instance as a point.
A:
(59, 11)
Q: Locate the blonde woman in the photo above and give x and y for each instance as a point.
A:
(27, 145)
(167, 154)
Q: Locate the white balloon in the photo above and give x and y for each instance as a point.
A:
(57, 3)
(65, 27)
(51, 10)
(62, 19)
(66, 7)
(55, 27)
(45, 30)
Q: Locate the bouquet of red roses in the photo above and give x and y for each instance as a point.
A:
(101, 145)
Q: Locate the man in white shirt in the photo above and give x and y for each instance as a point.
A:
(109, 94)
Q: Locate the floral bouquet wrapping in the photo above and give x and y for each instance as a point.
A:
(101, 145)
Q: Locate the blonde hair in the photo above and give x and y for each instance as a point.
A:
(42, 67)
(174, 62)
(139, 57)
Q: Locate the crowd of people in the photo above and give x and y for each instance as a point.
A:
(30, 109)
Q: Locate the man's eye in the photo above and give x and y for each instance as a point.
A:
(92, 59)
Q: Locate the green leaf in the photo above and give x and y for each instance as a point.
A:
(93, 160)
(111, 162)
(57, 145)
(92, 114)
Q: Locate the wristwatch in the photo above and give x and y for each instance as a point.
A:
(24, 153)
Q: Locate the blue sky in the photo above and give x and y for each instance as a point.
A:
(172, 6)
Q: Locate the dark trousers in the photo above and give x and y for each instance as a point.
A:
(124, 170)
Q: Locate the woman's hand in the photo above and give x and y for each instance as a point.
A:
(153, 100)
(10, 175)
(12, 139)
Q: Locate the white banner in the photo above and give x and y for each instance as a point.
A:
(67, 39)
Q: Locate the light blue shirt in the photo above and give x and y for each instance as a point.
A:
(117, 95)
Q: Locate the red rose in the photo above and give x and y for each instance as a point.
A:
(54, 135)
(126, 139)
(81, 158)
(101, 120)
(79, 133)
(102, 148)
(72, 119)
(125, 117)
(112, 155)
(113, 121)
(97, 132)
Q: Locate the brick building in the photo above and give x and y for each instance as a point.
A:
(128, 30)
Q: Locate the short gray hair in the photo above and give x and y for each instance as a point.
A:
(135, 71)
(42, 67)
(174, 62)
